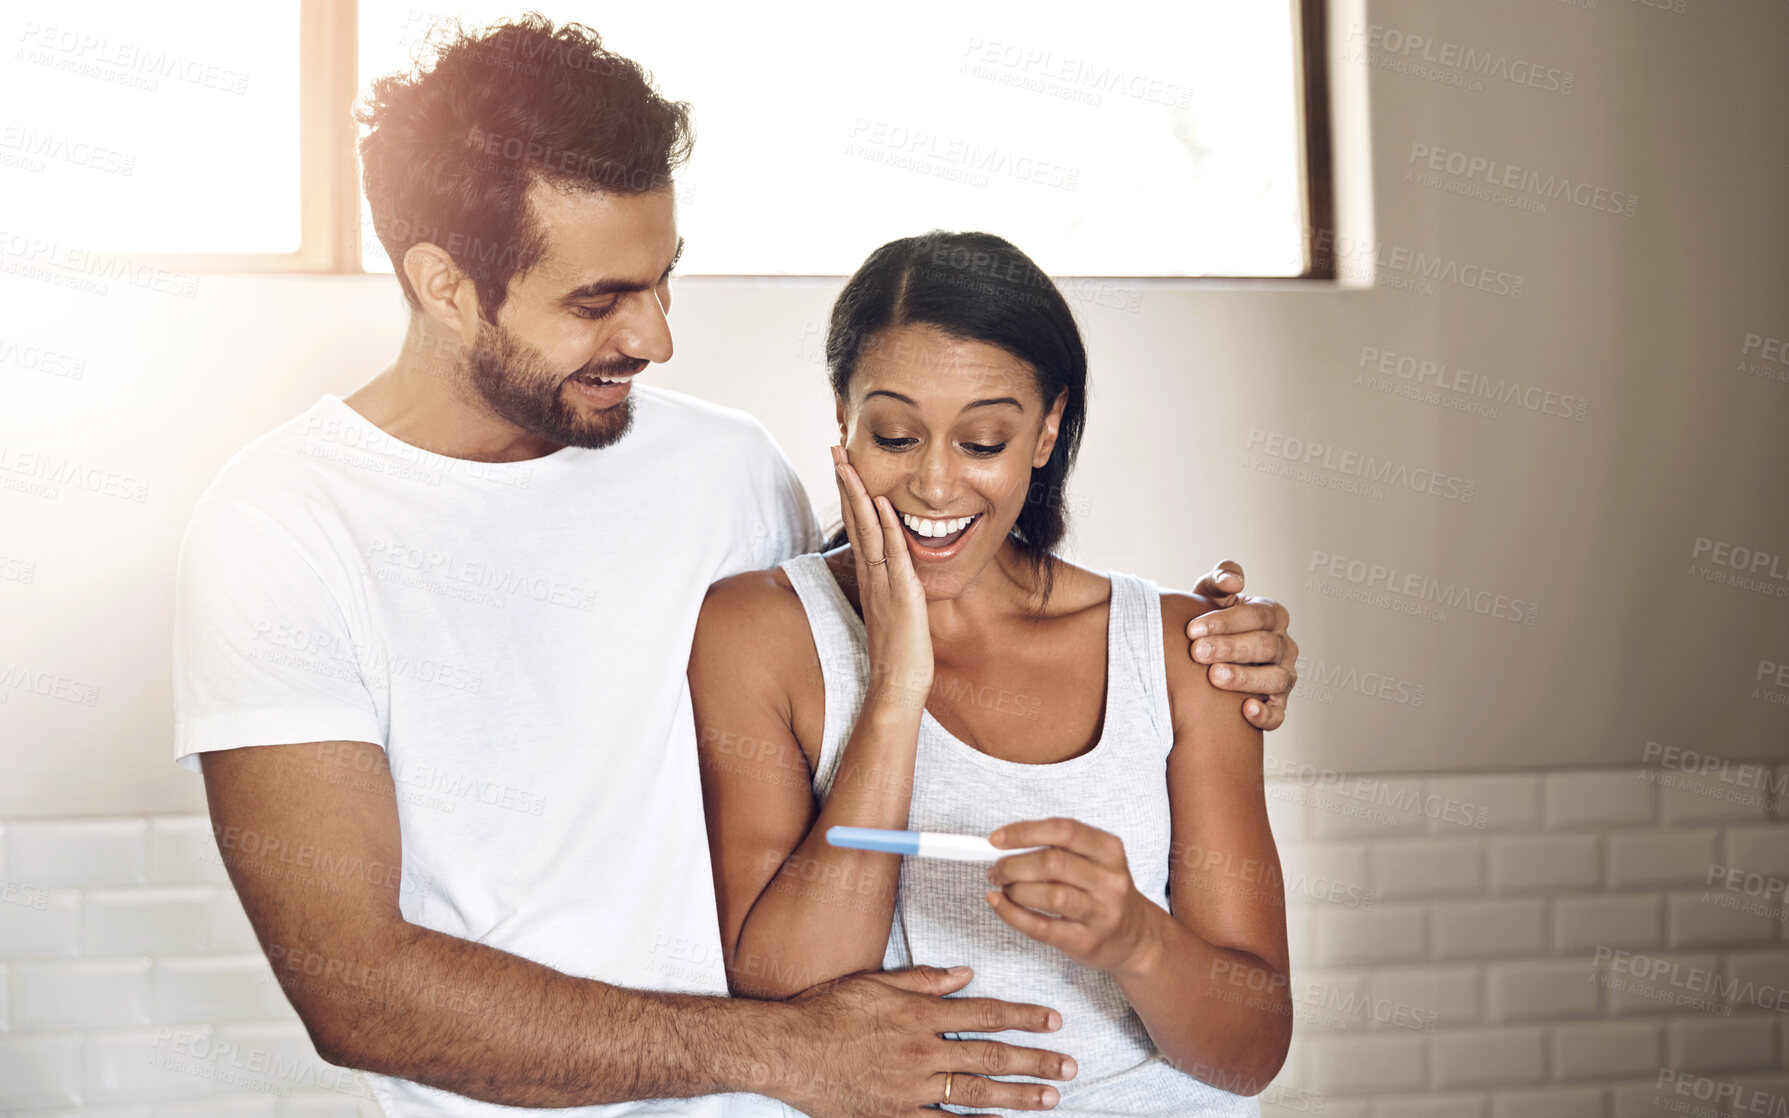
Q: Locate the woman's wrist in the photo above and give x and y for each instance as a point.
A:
(1143, 962)
(894, 689)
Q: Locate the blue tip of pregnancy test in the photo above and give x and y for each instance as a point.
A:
(874, 838)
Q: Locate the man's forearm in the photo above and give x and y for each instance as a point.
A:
(480, 1022)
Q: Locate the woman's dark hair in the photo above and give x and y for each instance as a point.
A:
(453, 148)
(977, 287)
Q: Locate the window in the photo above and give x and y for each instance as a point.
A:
(1160, 138)
(188, 135)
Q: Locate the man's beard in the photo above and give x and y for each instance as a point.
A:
(518, 386)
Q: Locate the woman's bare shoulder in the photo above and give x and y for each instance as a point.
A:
(754, 657)
(1179, 608)
(758, 609)
(1190, 690)
(1074, 588)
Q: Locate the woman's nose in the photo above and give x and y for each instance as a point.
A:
(933, 482)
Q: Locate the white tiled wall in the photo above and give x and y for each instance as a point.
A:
(1446, 968)
(1462, 946)
(131, 984)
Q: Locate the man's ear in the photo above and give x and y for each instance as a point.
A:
(1052, 422)
(839, 410)
(447, 294)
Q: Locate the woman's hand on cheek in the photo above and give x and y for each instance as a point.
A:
(1082, 876)
(889, 594)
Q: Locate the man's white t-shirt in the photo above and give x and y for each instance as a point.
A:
(515, 636)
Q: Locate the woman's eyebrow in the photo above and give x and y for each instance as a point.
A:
(974, 404)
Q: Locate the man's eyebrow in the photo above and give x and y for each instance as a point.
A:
(966, 407)
(596, 289)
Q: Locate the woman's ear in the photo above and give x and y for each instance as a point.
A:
(839, 402)
(1052, 421)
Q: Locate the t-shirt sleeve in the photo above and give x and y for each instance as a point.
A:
(263, 653)
(786, 524)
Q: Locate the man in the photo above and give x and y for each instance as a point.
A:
(430, 646)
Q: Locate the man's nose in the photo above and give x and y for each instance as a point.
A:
(647, 332)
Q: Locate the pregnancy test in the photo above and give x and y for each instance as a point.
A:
(922, 844)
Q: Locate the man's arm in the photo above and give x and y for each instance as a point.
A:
(378, 993)
(298, 827)
(1246, 644)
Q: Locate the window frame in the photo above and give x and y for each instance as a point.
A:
(1317, 141)
(328, 168)
(329, 193)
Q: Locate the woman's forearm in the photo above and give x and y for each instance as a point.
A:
(828, 910)
(1220, 1015)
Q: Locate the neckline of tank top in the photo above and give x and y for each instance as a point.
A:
(976, 756)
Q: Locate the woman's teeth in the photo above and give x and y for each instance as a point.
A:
(922, 527)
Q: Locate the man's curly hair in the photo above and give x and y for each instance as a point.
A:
(453, 147)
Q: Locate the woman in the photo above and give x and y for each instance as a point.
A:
(944, 671)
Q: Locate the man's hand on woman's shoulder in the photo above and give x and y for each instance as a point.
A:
(1244, 640)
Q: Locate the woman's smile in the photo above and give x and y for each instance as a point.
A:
(935, 540)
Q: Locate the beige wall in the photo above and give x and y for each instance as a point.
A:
(1594, 518)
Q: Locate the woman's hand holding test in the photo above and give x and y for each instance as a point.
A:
(1180, 970)
(1102, 921)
